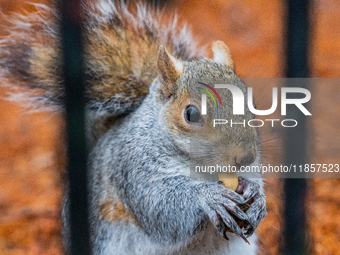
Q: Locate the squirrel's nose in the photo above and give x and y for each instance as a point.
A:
(243, 157)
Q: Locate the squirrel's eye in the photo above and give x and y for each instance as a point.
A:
(192, 114)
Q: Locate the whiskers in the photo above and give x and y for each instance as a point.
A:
(271, 150)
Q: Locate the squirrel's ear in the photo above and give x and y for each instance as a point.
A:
(169, 70)
(222, 54)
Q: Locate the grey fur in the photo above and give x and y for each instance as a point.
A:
(140, 162)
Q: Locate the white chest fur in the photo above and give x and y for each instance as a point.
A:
(127, 239)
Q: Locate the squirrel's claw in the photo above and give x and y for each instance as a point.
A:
(220, 204)
(248, 188)
(231, 207)
(257, 210)
(223, 221)
(251, 190)
(230, 194)
(221, 227)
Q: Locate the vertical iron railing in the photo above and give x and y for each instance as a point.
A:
(295, 138)
(71, 16)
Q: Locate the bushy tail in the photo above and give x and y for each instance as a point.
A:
(120, 55)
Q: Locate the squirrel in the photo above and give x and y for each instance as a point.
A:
(142, 113)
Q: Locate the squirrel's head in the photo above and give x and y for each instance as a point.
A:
(180, 94)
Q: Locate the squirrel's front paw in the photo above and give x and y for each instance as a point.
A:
(221, 204)
(253, 192)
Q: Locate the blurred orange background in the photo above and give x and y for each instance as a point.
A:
(32, 156)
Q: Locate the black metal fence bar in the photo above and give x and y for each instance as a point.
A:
(75, 117)
(295, 138)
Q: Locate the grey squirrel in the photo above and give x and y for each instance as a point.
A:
(142, 114)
